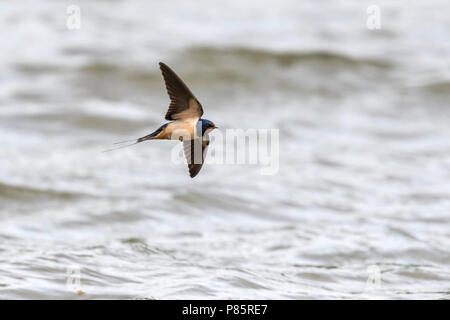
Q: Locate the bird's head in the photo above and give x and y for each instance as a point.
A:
(207, 126)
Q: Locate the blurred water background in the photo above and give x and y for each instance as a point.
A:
(364, 179)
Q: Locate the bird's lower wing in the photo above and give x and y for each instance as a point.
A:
(195, 153)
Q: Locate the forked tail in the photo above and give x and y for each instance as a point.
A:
(126, 143)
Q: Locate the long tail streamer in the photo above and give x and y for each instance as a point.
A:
(120, 144)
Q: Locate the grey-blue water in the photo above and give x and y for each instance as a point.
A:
(358, 209)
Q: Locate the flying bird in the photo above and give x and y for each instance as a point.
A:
(186, 124)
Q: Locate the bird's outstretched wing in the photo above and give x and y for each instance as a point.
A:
(195, 153)
(183, 103)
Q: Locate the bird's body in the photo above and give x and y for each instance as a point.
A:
(180, 130)
(186, 125)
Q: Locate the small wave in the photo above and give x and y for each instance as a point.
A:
(438, 87)
(87, 121)
(228, 63)
(133, 73)
(288, 58)
(37, 69)
(17, 192)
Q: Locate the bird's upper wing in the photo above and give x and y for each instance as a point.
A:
(183, 103)
(195, 153)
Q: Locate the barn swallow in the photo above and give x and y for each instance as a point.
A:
(185, 124)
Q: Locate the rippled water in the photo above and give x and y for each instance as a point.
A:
(363, 189)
